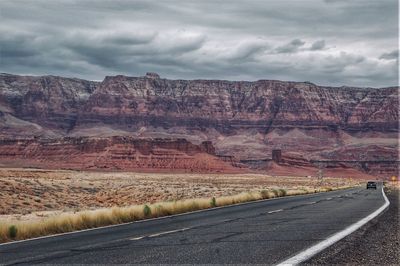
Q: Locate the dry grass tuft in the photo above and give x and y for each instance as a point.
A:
(68, 222)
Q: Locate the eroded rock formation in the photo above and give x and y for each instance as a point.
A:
(113, 153)
(243, 119)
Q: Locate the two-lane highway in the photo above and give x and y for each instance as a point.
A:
(264, 232)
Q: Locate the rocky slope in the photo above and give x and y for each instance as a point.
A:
(242, 119)
(113, 153)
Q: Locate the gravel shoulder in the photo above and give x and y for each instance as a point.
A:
(377, 243)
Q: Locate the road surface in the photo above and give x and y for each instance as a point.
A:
(264, 232)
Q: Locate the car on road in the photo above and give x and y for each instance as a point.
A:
(371, 184)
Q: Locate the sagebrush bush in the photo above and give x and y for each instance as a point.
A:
(159, 211)
(12, 231)
(264, 194)
(146, 211)
(282, 192)
(213, 202)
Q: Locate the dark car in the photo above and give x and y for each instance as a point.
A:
(371, 184)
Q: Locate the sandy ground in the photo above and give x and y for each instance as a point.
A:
(33, 193)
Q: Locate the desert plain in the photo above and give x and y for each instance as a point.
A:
(28, 194)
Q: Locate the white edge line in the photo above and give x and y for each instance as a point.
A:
(137, 238)
(161, 233)
(313, 250)
(165, 217)
(169, 232)
(276, 211)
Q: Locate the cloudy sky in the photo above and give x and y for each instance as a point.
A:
(327, 42)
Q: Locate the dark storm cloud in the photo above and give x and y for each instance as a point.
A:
(18, 45)
(332, 42)
(390, 56)
(247, 51)
(291, 47)
(318, 45)
(128, 39)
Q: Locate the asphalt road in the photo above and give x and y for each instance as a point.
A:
(265, 232)
(376, 243)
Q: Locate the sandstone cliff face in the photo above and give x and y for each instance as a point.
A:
(242, 119)
(49, 101)
(113, 153)
(226, 104)
(210, 103)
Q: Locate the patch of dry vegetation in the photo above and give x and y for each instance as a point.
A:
(68, 222)
(41, 202)
(28, 194)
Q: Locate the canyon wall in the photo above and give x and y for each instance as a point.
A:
(112, 153)
(243, 119)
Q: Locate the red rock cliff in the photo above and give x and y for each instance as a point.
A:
(125, 153)
(244, 119)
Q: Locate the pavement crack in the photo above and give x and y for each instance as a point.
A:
(225, 237)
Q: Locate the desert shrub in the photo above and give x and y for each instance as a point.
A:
(12, 231)
(264, 194)
(159, 210)
(276, 192)
(282, 192)
(146, 211)
(213, 202)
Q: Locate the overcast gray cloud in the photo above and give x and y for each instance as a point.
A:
(328, 42)
(393, 55)
(291, 47)
(318, 45)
